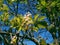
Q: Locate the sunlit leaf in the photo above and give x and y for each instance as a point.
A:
(50, 27)
(35, 17)
(41, 18)
(41, 26)
(1, 2)
(35, 28)
(53, 4)
(43, 3)
(43, 42)
(4, 8)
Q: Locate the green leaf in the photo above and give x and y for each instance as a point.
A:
(35, 17)
(43, 42)
(35, 28)
(39, 7)
(41, 18)
(1, 2)
(53, 4)
(41, 26)
(19, 29)
(43, 3)
(50, 27)
(5, 7)
(58, 4)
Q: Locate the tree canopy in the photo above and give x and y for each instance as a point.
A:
(30, 22)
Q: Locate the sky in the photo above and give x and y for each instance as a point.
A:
(23, 8)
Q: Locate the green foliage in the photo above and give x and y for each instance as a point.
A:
(53, 4)
(11, 1)
(19, 22)
(5, 18)
(23, 1)
(50, 27)
(16, 22)
(43, 42)
(1, 2)
(4, 8)
(43, 3)
(41, 18)
(23, 23)
(52, 10)
(37, 21)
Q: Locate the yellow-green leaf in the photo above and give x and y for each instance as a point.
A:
(41, 18)
(41, 26)
(53, 4)
(35, 28)
(43, 3)
(35, 17)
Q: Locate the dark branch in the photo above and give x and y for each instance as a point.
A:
(26, 37)
(29, 6)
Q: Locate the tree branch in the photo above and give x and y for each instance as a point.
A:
(26, 37)
(29, 6)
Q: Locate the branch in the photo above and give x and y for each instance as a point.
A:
(17, 7)
(33, 39)
(29, 6)
(26, 37)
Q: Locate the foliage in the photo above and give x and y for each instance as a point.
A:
(27, 22)
(19, 22)
(51, 9)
